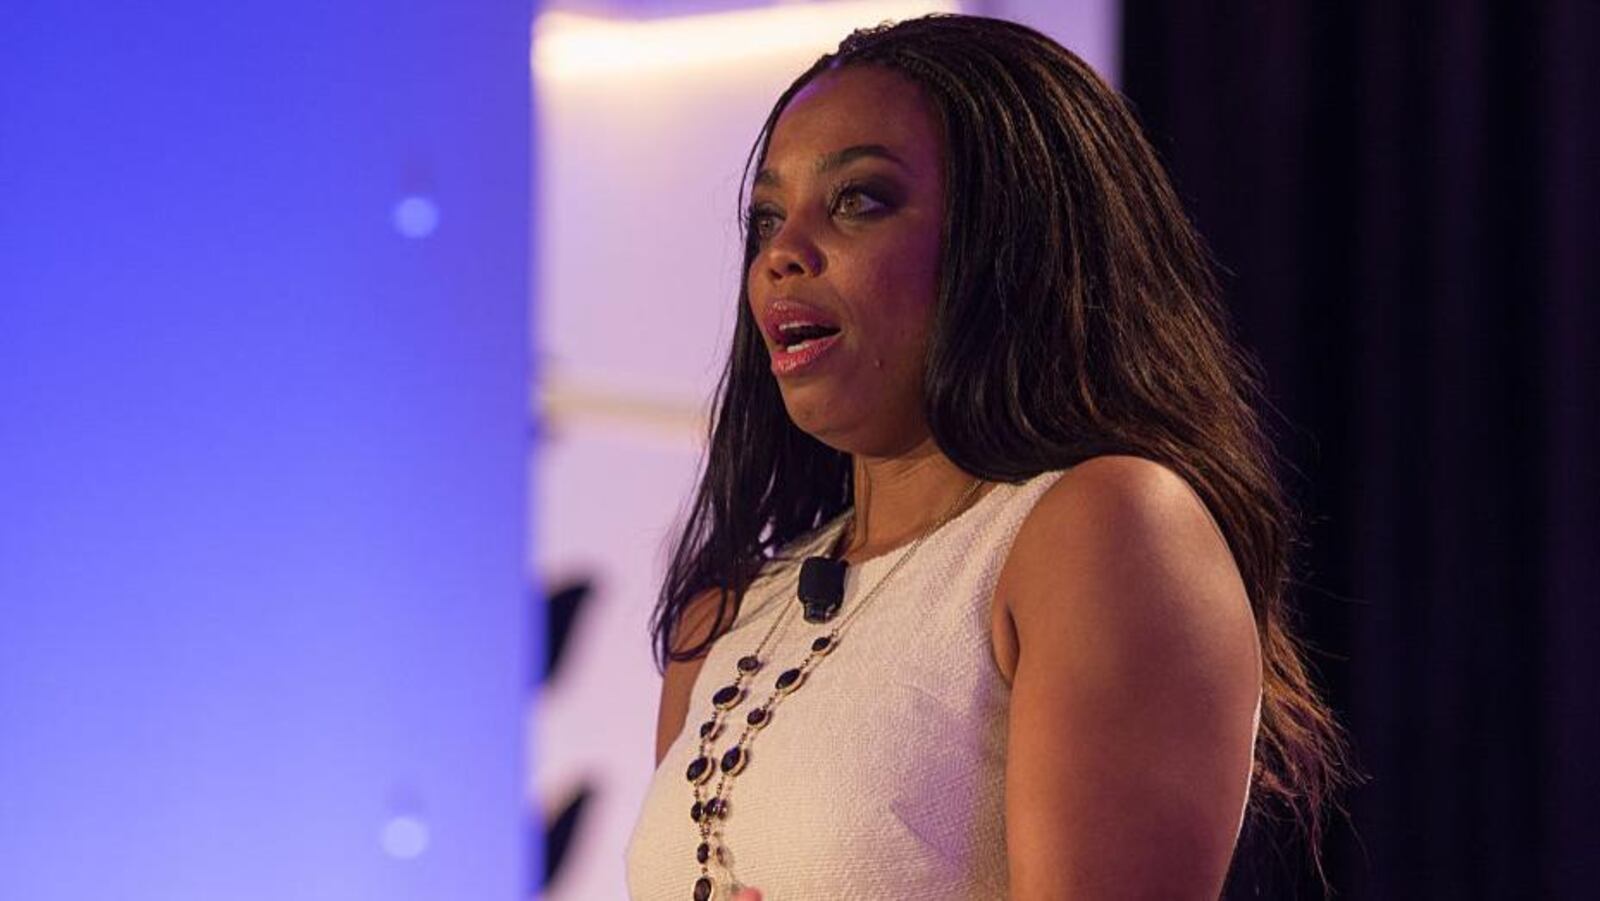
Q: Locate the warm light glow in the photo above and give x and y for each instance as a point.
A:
(572, 46)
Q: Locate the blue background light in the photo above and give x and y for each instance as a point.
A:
(261, 458)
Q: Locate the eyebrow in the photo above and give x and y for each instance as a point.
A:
(835, 160)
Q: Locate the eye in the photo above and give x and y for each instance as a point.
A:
(854, 200)
(762, 222)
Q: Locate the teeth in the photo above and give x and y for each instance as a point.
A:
(794, 347)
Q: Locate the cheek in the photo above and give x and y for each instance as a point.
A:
(900, 292)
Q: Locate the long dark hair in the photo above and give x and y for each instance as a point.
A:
(1078, 315)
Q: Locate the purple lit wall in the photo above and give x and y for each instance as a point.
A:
(264, 628)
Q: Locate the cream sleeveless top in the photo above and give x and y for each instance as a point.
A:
(883, 774)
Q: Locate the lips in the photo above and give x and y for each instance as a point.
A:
(799, 334)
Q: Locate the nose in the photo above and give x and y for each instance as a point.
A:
(790, 253)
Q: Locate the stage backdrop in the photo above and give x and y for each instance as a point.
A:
(643, 126)
(1404, 197)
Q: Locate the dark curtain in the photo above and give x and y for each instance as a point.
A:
(1404, 197)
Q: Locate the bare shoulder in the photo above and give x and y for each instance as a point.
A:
(677, 682)
(1121, 539)
(1137, 660)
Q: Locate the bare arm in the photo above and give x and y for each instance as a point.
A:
(1136, 683)
(678, 680)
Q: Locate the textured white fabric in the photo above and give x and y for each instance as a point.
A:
(882, 776)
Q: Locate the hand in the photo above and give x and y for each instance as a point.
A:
(749, 894)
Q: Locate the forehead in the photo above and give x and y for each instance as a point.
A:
(852, 107)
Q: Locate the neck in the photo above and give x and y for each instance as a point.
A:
(899, 498)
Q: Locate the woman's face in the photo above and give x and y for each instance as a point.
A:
(847, 210)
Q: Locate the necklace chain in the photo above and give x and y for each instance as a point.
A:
(707, 811)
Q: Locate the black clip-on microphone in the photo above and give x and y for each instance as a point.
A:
(822, 587)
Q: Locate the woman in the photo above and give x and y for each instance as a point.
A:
(980, 360)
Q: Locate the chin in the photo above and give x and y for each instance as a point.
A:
(844, 433)
(814, 418)
(874, 426)
(817, 415)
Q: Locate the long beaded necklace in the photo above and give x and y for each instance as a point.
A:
(708, 812)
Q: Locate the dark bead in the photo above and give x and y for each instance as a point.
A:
(790, 679)
(702, 889)
(749, 663)
(717, 807)
(822, 645)
(727, 696)
(734, 760)
(699, 770)
(702, 853)
(757, 717)
(710, 729)
(697, 811)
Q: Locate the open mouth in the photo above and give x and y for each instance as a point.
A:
(794, 337)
